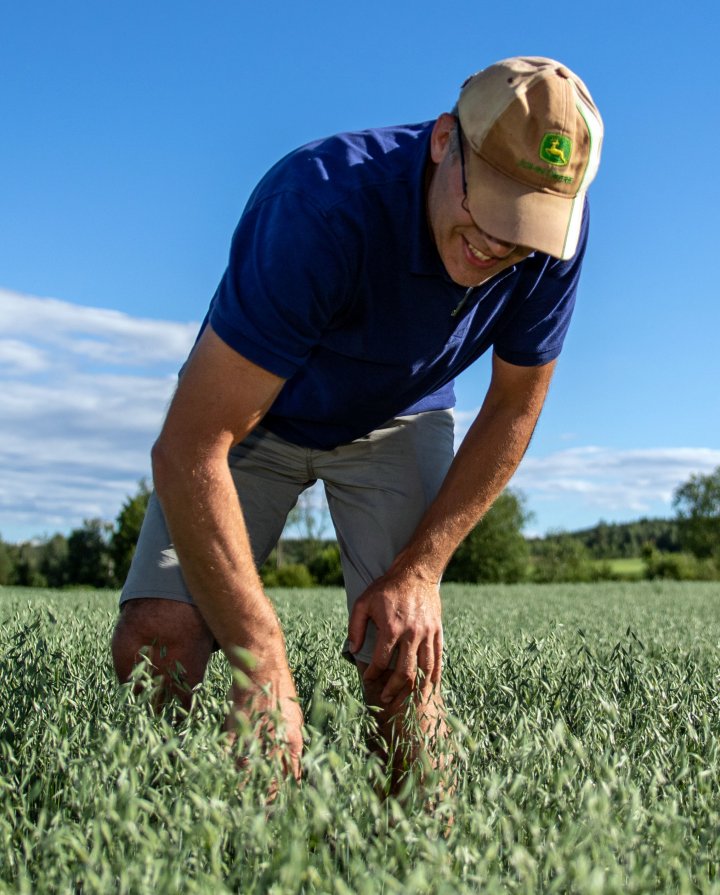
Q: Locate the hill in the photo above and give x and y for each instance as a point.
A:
(624, 540)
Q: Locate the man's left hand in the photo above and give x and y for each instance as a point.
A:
(406, 610)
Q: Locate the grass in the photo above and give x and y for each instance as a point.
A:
(586, 731)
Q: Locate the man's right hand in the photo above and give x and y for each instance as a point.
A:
(221, 396)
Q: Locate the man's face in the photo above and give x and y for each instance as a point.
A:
(470, 255)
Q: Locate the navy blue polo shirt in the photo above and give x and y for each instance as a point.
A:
(334, 283)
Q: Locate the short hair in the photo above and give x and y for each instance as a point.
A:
(454, 147)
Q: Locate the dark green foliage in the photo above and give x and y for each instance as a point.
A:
(495, 550)
(325, 566)
(26, 565)
(53, 561)
(619, 540)
(565, 558)
(303, 562)
(35, 563)
(697, 502)
(127, 530)
(88, 560)
(679, 566)
(290, 575)
(6, 563)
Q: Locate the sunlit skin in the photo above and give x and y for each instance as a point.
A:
(470, 255)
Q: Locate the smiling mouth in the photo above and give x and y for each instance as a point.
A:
(478, 254)
(480, 259)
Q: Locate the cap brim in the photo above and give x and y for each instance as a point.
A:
(516, 213)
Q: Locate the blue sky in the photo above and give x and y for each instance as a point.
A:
(134, 132)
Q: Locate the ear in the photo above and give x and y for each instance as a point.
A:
(440, 137)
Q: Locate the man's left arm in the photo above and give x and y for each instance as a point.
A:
(405, 602)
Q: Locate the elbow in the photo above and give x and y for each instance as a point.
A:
(163, 464)
(177, 463)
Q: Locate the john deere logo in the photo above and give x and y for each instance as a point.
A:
(555, 149)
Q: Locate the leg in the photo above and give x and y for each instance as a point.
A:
(158, 615)
(378, 490)
(408, 732)
(172, 636)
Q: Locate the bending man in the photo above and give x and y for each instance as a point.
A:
(367, 271)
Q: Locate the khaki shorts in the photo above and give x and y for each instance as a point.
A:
(377, 487)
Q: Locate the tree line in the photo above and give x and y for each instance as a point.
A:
(99, 553)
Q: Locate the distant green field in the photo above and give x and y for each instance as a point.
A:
(632, 568)
(587, 739)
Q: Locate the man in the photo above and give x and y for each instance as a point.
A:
(366, 272)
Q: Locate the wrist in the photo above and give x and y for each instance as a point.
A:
(257, 633)
(419, 565)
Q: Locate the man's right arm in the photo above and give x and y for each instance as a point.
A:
(220, 398)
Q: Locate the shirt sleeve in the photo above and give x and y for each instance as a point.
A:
(538, 321)
(286, 280)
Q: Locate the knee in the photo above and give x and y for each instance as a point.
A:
(419, 706)
(166, 633)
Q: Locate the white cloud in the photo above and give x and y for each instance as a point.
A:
(576, 487)
(614, 480)
(82, 395)
(96, 334)
(18, 358)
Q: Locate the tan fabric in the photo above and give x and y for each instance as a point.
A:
(535, 136)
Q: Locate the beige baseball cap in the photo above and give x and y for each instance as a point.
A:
(535, 135)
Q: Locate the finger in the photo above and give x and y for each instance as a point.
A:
(283, 744)
(291, 762)
(437, 670)
(426, 662)
(292, 738)
(403, 678)
(357, 625)
(381, 657)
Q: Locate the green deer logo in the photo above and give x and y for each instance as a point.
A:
(555, 149)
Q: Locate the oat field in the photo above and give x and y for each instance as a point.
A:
(585, 720)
